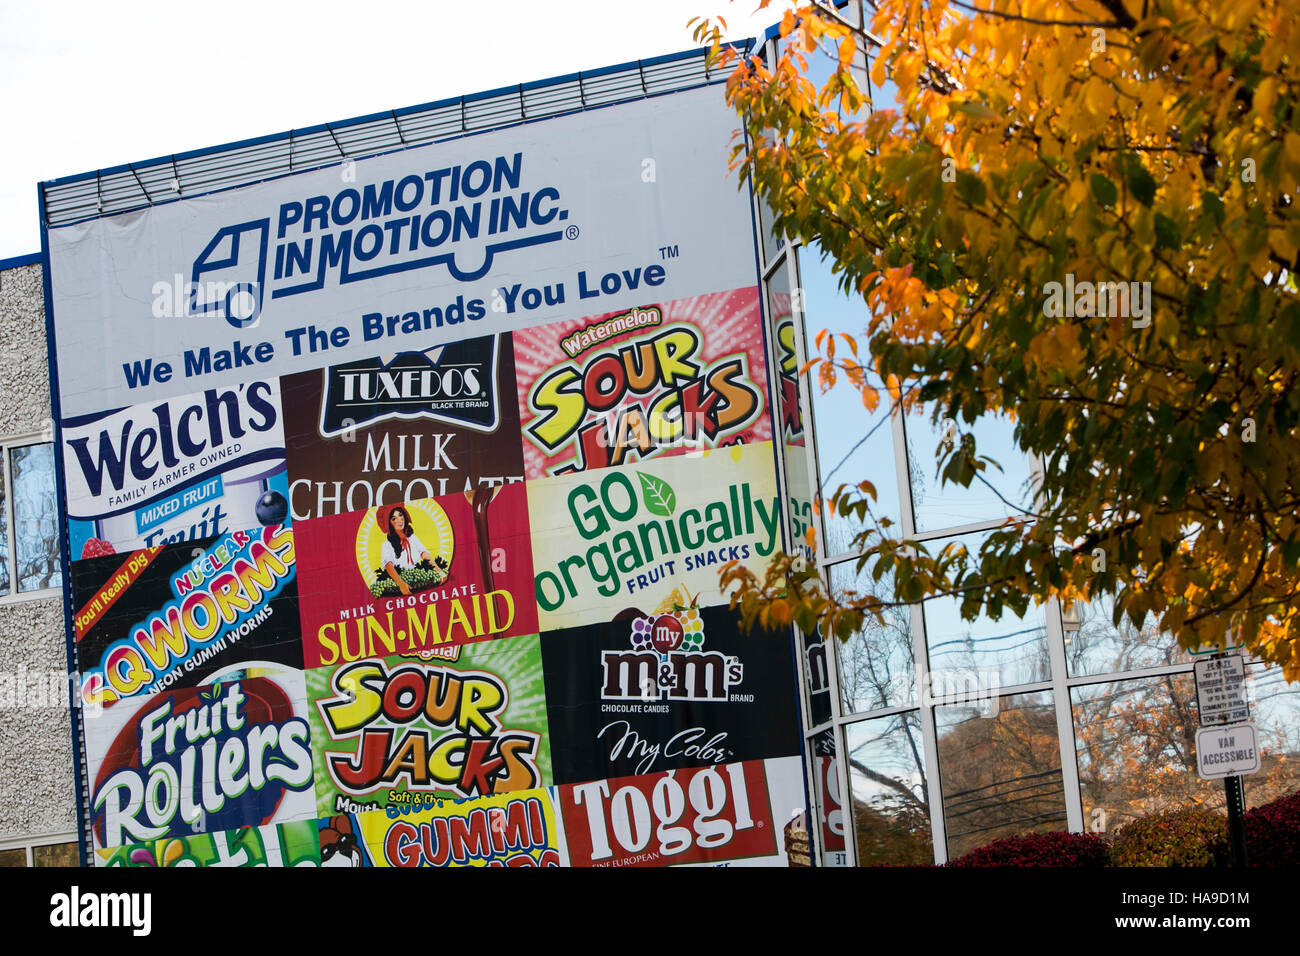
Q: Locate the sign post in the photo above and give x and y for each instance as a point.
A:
(1226, 746)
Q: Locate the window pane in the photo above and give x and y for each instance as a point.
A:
(891, 803)
(1275, 710)
(877, 665)
(1151, 724)
(826, 783)
(4, 540)
(36, 528)
(1136, 745)
(788, 415)
(1001, 771)
(1093, 645)
(938, 504)
(13, 857)
(55, 854)
(990, 654)
(853, 444)
(771, 241)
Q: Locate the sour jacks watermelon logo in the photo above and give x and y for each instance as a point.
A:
(668, 661)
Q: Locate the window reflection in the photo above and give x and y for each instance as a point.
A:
(826, 784)
(4, 533)
(1001, 493)
(1001, 774)
(55, 854)
(992, 653)
(877, 666)
(1094, 645)
(799, 488)
(817, 666)
(853, 444)
(36, 528)
(771, 241)
(891, 809)
(1136, 746)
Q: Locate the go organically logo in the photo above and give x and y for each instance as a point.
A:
(640, 532)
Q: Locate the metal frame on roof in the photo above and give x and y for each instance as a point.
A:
(107, 192)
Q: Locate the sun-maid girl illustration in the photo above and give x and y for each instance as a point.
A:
(405, 562)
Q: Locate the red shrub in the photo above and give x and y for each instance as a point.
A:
(1039, 849)
(1273, 833)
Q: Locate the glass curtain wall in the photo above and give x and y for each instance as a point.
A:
(928, 736)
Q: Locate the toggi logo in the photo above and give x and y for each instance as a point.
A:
(679, 816)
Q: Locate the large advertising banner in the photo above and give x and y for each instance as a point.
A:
(627, 539)
(397, 494)
(398, 731)
(663, 379)
(231, 753)
(582, 214)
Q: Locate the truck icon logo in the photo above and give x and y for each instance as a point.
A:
(218, 283)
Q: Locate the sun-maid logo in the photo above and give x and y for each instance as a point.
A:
(460, 217)
(640, 397)
(454, 384)
(667, 661)
(202, 759)
(428, 727)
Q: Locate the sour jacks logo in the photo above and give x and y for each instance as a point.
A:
(425, 727)
(203, 759)
(668, 662)
(641, 396)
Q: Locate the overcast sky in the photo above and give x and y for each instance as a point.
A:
(89, 85)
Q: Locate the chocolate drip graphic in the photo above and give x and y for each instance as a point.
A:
(479, 499)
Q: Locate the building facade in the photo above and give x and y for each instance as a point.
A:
(921, 738)
(38, 802)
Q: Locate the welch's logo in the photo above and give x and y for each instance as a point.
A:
(455, 384)
(118, 460)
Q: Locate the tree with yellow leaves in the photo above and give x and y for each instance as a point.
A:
(1080, 214)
